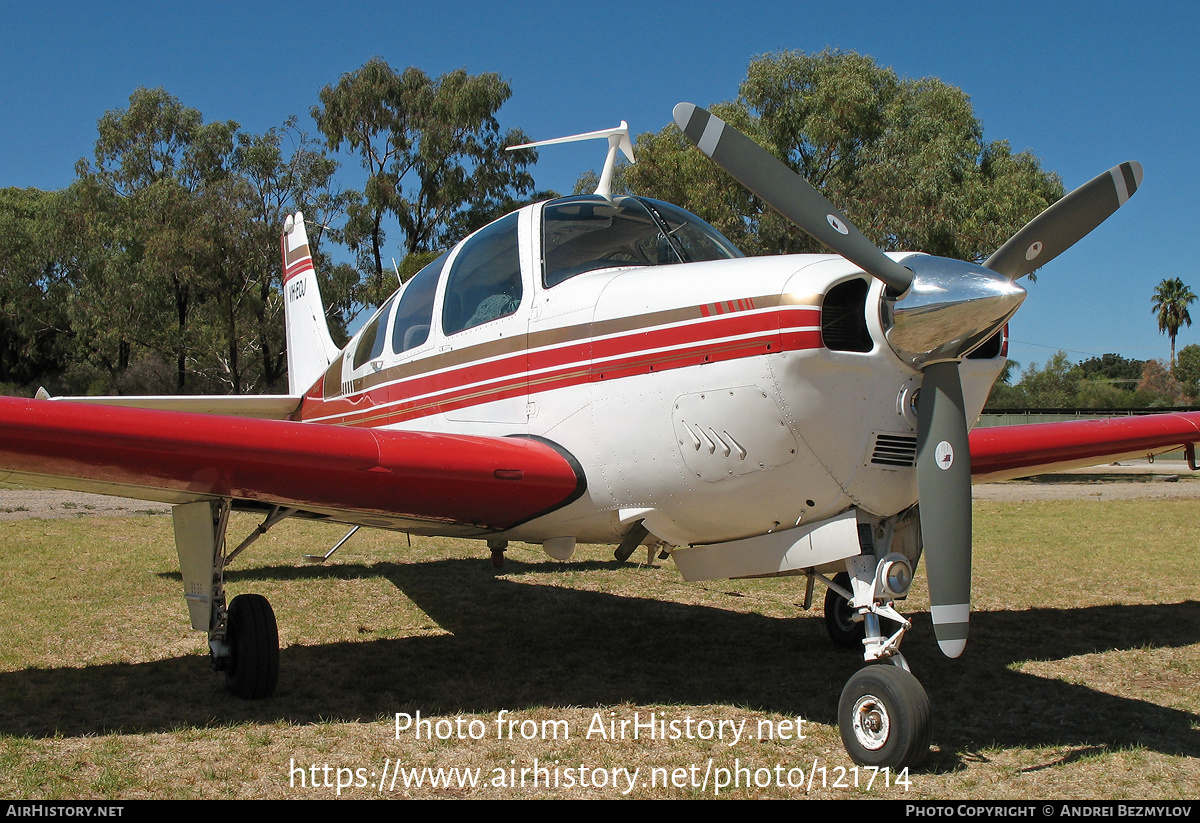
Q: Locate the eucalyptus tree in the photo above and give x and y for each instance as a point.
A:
(174, 245)
(431, 148)
(142, 191)
(34, 332)
(905, 159)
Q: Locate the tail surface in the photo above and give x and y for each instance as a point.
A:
(310, 349)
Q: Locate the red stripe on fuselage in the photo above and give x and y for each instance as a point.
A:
(423, 390)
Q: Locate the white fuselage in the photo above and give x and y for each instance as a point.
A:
(701, 398)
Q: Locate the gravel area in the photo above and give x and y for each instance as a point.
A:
(20, 504)
(1131, 480)
(1165, 479)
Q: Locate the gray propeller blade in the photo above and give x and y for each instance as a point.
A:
(786, 192)
(944, 487)
(1066, 222)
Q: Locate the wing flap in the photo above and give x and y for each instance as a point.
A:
(484, 483)
(266, 406)
(1006, 452)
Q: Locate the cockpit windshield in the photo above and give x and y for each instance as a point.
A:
(586, 233)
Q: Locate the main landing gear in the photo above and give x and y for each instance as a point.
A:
(883, 713)
(243, 638)
(252, 666)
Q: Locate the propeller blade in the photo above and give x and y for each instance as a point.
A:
(1066, 222)
(787, 192)
(944, 486)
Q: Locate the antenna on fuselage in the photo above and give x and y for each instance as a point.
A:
(618, 138)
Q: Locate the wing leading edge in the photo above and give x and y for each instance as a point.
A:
(382, 478)
(1006, 452)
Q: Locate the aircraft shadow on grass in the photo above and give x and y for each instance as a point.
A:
(506, 644)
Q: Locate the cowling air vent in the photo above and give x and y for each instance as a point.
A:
(724, 433)
(895, 450)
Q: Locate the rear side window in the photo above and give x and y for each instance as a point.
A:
(414, 313)
(484, 283)
(372, 340)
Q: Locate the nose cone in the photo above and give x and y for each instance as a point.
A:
(951, 308)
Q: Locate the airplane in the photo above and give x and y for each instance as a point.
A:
(610, 369)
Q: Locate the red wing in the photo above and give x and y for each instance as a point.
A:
(1004, 452)
(382, 478)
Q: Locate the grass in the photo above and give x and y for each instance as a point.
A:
(1079, 680)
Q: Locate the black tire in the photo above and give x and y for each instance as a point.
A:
(253, 637)
(884, 717)
(839, 617)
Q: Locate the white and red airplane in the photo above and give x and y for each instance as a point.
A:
(610, 369)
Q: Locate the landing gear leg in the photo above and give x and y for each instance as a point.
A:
(243, 638)
(883, 713)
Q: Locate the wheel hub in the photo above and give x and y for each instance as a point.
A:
(871, 725)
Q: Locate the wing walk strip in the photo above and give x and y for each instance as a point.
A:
(435, 384)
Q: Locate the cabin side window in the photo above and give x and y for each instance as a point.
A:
(371, 341)
(844, 317)
(414, 312)
(484, 283)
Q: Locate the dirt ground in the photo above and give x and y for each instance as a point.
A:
(1164, 479)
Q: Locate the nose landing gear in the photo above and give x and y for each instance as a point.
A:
(884, 714)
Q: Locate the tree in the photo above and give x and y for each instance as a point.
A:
(905, 159)
(1158, 381)
(171, 242)
(1112, 367)
(431, 148)
(1170, 302)
(1187, 371)
(34, 336)
(269, 181)
(152, 163)
(1054, 386)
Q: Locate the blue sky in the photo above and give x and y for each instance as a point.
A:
(1082, 85)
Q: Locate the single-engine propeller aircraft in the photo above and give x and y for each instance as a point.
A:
(611, 369)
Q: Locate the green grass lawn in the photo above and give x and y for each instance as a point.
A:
(1080, 680)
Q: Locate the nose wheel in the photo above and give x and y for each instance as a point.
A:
(884, 717)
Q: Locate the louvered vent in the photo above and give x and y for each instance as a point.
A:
(894, 450)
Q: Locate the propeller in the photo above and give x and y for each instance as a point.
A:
(935, 311)
(787, 192)
(1066, 221)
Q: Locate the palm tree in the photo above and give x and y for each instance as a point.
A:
(1171, 300)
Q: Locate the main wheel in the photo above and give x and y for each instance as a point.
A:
(843, 629)
(884, 717)
(253, 636)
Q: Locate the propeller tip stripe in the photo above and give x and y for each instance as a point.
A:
(1126, 178)
(948, 615)
(711, 136)
(691, 119)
